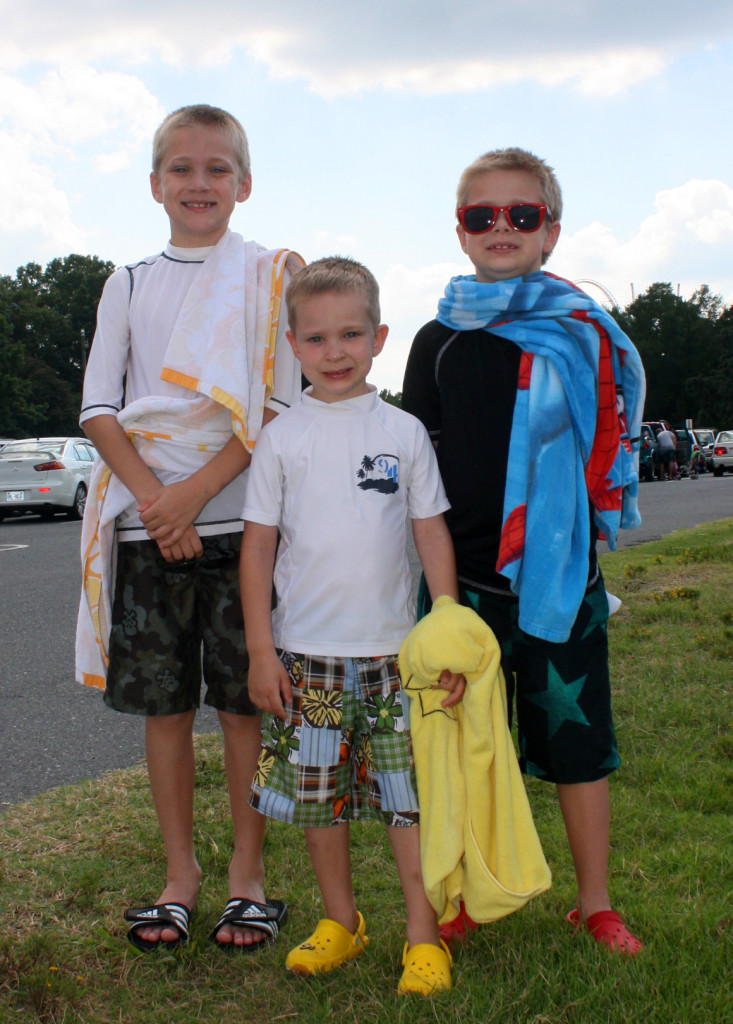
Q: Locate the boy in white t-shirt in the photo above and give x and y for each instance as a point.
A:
(338, 476)
(177, 470)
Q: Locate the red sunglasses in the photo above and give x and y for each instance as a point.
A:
(521, 216)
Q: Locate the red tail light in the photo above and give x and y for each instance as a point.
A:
(43, 467)
(720, 449)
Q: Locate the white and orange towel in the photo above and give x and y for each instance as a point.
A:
(222, 348)
(223, 344)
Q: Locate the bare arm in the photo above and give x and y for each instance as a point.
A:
(120, 454)
(438, 560)
(167, 514)
(268, 682)
(435, 550)
(177, 505)
(113, 444)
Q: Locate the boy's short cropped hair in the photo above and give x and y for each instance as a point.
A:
(202, 114)
(333, 274)
(515, 159)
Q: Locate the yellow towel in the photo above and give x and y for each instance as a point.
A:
(478, 840)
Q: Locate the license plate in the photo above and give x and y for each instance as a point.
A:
(15, 495)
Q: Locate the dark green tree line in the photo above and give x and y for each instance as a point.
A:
(686, 346)
(47, 320)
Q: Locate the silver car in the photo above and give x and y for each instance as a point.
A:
(45, 475)
(722, 452)
(704, 438)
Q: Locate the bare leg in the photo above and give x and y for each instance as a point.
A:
(242, 737)
(422, 924)
(586, 810)
(329, 852)
(169, 748)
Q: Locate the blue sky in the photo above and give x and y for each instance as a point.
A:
(361, 118)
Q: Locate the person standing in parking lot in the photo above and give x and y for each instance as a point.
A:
(666, 450)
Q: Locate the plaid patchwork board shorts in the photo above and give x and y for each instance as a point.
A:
(344, 751)
(172, 621)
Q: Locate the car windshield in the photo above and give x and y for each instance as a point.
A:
(705, 436)
(17, 448)
(726, 435)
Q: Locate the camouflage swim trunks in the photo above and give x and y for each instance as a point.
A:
(173, 621)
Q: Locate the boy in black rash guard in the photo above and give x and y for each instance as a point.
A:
(531, 395)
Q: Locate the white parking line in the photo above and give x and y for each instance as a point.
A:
(12, 547)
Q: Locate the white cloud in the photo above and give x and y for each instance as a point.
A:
(704, 208)
(690, 222)
(47, 125)
(75, 103)
(423, 46)
(414, 293)
(29, 201)
(408, 298)
(326, 243)
(603, 72)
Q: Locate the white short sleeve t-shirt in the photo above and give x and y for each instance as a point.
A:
(341, 480)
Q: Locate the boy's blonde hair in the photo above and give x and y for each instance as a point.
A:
(202, 114)
(515, 159)
(333, 274)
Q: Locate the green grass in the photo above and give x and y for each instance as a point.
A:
(71, 860)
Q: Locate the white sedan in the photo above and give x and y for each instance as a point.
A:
(45, 475)
(723, 452)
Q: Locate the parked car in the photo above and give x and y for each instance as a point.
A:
(4, 441)
(683, 448)
(45, 475)
(722, 452)
(647, 447)
(704, 438)
(650, 430)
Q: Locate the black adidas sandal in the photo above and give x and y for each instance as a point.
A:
(267, 918)
(163, 915)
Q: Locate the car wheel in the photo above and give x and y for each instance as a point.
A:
(80, 499)
(718, 471)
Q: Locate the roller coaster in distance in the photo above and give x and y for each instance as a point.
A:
(601, 287)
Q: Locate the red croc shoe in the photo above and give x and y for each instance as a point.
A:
(454, 933)
(608, 928)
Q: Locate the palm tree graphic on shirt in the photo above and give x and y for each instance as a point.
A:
(379, 473)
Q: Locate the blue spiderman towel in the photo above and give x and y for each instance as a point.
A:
(575, 435)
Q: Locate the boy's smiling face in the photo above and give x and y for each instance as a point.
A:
(501, 252)
(199, 183)
(336, 341)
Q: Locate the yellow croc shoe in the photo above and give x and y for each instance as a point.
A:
(328, 947)
(426, 969)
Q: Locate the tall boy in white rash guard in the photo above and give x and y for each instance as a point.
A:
(189, 359)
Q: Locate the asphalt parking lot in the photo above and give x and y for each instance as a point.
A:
(54, 731)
